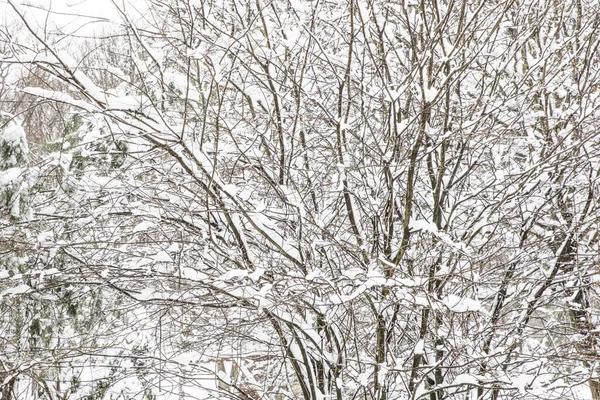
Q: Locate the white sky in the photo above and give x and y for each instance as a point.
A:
(70, 17)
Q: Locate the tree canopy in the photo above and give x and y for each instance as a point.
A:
(305, 199)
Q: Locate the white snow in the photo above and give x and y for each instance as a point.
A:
(461, 304)
(522, 382)
(124, 103)
(426, 226)
(12, 134)
(16, 290)
(353, 273)
(9, 177)
(174, 247)
(465, 379)
(45, 236)
(143, 226)
(234, 273)
(312, 275)
(255, 276)
(146, 294)
(58, 96)
(430, 94)
(261, 296)
(419, 347)
(423, 225)
(162, 256)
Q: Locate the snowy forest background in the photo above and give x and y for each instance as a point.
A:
(301, 199)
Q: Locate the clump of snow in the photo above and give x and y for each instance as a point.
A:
(352, 273)
(146, 294)
(143, 226)
(430, 94)
(12, 134)
(59, 97)
(465, 379)
(461, 304)
(422, 225)
(420, 346)
(430, 227)
(311, 276)
(234, 273)
(522, 382)
(255, 276)
(13, 143)
(162, 256)
(16, 290)
(9, 177)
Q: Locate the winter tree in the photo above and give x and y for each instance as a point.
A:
(312, 200)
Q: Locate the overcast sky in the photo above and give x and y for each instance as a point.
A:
(79, 17)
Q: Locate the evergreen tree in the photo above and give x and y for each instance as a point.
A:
(13, 159)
